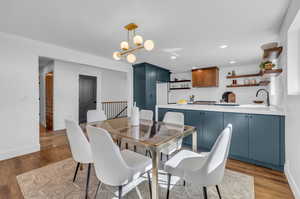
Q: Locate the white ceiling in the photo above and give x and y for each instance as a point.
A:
(195, 27)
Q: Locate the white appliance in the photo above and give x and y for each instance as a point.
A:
(161, 93)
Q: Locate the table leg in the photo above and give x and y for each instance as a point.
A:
(155, 167)
(195, 141)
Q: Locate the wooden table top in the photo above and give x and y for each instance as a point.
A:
(148, 133)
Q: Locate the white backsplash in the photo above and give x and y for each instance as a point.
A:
(244, 95)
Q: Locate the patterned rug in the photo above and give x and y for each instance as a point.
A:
(55, 181)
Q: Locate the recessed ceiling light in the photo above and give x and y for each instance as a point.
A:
(232, 62)
(173, 57)
(223, 46)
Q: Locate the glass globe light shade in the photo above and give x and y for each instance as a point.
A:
(149, 45)
(138, 40)
(116, 55)
(124, 45)
(131, 58)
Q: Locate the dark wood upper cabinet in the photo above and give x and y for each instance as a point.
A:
(205, 77)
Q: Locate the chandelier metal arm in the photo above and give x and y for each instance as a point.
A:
(131, 50)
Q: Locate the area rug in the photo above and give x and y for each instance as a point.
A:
(55, 181)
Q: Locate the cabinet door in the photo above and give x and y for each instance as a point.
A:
(212, 127)
(163, 75)
(205, 77)
(193, 118)
(240, 133)
(139, 85)
(150, 87)
(264, 138)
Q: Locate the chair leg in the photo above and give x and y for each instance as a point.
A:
(87, 181)
(126, 145)
(161, 156)
(205, 192)
(149, 182)
(167, 157)
(120, 192)
(147, 151)
(77, 167)
(219, 193)
(134, 148)
(184, 183)
(169, 182)
(99, 185)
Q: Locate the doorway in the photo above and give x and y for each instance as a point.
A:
(87, 96)
(46, 75)
(49, 100)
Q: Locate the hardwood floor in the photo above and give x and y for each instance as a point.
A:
(269, 184)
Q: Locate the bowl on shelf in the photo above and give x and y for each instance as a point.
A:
(258, 101)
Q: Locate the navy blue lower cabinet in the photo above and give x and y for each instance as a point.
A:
(256, 139)
(212, 126)
(264, 135)
(240, 134)
(195, 119)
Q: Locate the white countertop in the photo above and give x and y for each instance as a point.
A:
(251, 109)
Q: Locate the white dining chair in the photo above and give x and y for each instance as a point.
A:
(173, 118)
(202, 170)
(144, 115)
(95, 115)
(80, 148)
(114, 167)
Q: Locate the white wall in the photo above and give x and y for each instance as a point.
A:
(19, 86)
(19, 105)
(111, 85)
(43, 70)
(292, 127)
(244, 95)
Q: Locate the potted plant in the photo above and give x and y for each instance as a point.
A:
(267, 65)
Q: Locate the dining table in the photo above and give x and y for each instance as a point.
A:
(153, 135)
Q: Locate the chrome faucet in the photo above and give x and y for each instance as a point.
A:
(268, 95)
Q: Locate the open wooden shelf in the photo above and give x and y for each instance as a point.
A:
(242, 85)
(270, 51)
(179, 81)
(241, 76)
(262, 83)
(274, 72)
(260, 74)
(180, 88)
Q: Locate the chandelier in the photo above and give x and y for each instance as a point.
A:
(130, 46)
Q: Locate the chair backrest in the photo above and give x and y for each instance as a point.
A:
(216, 161)
(110, 167)
(146, 115)
(174, 118)
(80, 147)
(96, 115)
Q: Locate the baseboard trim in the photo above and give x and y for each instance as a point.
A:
(20, 151)
(291, 181)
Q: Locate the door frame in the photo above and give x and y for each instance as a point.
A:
(92, 76)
